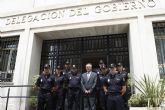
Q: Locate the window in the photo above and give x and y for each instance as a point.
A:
(8, 53)
(159, 32)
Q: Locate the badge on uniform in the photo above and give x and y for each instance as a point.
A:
(123, 79)
(70, 78)
(108, 80)
(117, 79)
(49, 79)
(41, 80)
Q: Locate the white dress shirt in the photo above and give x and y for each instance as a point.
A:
(88, 75)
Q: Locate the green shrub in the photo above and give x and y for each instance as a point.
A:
(33, 101)
(137, 100)
(33, 93)
(152, 90)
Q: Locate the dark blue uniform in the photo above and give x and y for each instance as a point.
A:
(127, 94)
(45, 84)
(98, 86)
(102, 96)
(59, 92)
(65, 72)
(74, 90)
(114, 84)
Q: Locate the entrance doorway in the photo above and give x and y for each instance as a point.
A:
(94, 60)
(81, 50)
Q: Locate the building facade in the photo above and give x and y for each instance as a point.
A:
(34, 32)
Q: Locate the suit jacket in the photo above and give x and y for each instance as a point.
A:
(88, 84)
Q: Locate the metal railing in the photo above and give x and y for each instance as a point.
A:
(8, 93)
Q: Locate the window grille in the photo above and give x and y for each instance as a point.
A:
(114, 48)
(159, 33)
(8, 53)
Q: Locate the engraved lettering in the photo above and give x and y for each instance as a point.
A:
(8, 21)
(54, 15)
(72, 13)
(30, 18)
(114, 7)
(43, 16)
(106, 8)
(23, 19)
(85, 12)
(61, 14)
(14, 21)
(79, 11)
(98, 9)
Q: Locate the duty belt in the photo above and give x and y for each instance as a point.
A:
(113, 93)
(74, 88)
(44, 91)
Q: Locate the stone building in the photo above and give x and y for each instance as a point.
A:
(35, 32)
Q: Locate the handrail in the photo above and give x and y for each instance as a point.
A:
(3, 86)
(19, 97)
(8, 93)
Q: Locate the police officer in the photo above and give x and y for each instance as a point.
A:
(74, 88)
(101, 64)
(102, 95)
(59, 89)
(114, 86)
(98, 86)
(45, 84)
(66, 69)
(124, 74)
(65, 72)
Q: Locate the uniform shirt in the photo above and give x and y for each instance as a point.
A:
(98, 71)
(102, 78)
(124, 74)
(74, 80)
(45, 82)
(59, 81)
(114, 83)
(65, 71)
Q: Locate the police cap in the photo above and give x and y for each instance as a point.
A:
(119, 64)
(112, 65)
(58, 67)
(46, 66)
(74, 67)
(101, 62)
(104, 66)
(67, 62)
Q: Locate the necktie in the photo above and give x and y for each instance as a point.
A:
(88, 75)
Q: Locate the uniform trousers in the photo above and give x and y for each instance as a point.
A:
(115, 102)
(44, 101)
(73, 98)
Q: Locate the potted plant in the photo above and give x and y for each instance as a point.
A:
(137, 100)
(33, 94)
(150, 91)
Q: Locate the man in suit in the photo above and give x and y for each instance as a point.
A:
(88, 85)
